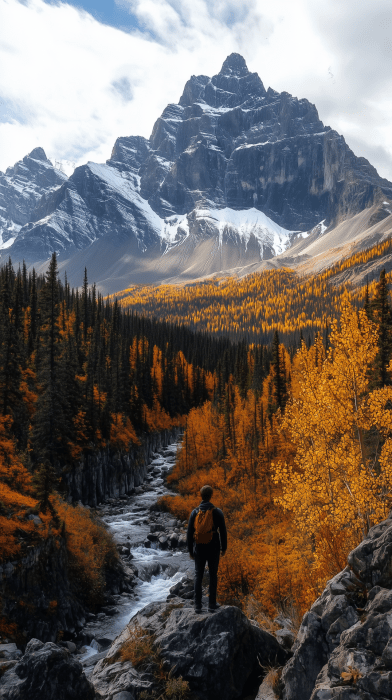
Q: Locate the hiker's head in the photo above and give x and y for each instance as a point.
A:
(206, 493)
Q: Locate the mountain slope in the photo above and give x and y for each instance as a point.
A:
(21, 188)
(233, 175)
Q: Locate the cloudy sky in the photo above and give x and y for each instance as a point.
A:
(75, 75)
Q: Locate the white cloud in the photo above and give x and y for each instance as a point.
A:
(72, 85)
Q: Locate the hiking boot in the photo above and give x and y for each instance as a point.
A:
(198, 609)
(213, 608)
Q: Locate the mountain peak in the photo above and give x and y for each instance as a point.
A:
(38, 154)
(234, 64)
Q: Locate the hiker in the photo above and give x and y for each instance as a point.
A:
(205, 544)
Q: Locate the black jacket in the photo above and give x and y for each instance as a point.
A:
(219, 524)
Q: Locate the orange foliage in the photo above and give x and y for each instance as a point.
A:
(122, 432)
(156, 418)
(298, 490)
(90, 547)
(15, 498)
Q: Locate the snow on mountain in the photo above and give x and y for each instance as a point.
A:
(232, 176)
(247, 223)
(21, 188)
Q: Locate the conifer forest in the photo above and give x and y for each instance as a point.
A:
(281, 386)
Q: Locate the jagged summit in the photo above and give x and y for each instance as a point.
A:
(38, 154)
(228, 178)
(234, 64)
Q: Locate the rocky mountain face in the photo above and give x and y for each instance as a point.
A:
(21, 188)
(231, 176)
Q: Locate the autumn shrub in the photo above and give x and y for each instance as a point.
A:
(139, 648)
(238, 574)
(16, 497)
(179, 506)
(122, 432)
(91, 550)
(273, 677)
(176, 689)
(143, 653)
(254, 610)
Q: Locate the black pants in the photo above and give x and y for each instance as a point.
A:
(205, 553)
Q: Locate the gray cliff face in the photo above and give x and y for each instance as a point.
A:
(21, 188)
(344, 646)
(228, 144)
(110, 475)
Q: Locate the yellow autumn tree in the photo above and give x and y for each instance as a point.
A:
(339, 483)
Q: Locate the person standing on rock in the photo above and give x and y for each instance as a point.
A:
(206, 538)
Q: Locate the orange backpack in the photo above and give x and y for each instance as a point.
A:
(204, 526)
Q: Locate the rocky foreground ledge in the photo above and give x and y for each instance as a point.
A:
(343, 649)
(219, 655)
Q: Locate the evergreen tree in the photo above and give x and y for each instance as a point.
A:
(52, 421)
(10, 349)
(45, 481)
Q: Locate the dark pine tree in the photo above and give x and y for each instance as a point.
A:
(52, 423)
(45, 481)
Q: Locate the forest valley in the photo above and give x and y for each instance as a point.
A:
(255, 306)
(295, 438)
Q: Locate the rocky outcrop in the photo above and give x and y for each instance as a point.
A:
(36, 593)
(108, 474)
(220, 655)
(45, 672)
(344, 646)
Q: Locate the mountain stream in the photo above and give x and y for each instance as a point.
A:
(130, 519)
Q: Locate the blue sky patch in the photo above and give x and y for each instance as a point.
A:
(105, 11)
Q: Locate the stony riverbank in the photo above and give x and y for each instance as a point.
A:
(36, 593)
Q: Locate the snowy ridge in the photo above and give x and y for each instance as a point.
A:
(248, 222)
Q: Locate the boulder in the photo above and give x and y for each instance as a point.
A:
(45, 672)
(344, 645)
(220, 654)
(153, 537)
(182, 589)
(10, 652)
(173, 539)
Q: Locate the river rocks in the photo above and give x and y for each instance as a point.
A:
(218, 654)
(45, 672)
(173, 540)
(183, 589)
(163, 542)
(10, 652)
(152, 537)
(343, 648)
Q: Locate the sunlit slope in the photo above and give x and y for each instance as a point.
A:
(258, 304)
